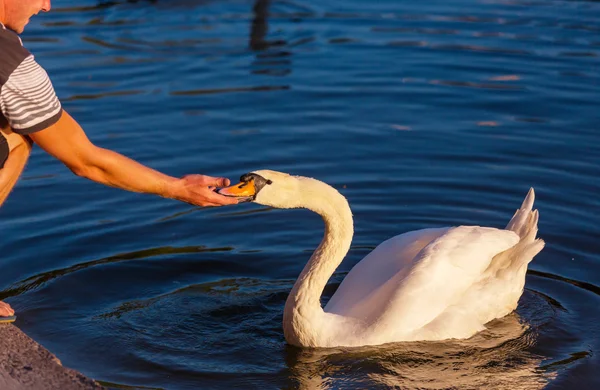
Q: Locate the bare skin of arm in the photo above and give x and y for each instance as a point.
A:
(66, 141)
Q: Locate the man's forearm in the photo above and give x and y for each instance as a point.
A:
(113, 169)
(69, 143)
(13, 167)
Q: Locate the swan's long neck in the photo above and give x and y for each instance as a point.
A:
(303, 307)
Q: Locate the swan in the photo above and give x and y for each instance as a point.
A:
(429, 284)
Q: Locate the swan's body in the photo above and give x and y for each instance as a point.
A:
(429, 284)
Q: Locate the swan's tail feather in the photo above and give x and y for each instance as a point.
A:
(532, 250)
(529, 244)
(518, 258)
(520, 222)
(525, 224)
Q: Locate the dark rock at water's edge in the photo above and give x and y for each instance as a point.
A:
(25, 364)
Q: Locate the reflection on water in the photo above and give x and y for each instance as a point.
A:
(229, 90)
(496, 358)
(272, 57)
(423, 114)
(260, 27)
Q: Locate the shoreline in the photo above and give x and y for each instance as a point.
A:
(25, 364)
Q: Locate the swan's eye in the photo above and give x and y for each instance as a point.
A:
(269, 182)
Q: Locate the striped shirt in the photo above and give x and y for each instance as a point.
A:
(28, 102)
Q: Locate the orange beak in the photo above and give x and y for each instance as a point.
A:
(245, 191)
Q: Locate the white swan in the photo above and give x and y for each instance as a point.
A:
(429, 284)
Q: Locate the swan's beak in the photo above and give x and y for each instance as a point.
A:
(245, 191)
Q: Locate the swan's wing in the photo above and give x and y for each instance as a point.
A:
(388, 259)
(425, 287)
(441, 273)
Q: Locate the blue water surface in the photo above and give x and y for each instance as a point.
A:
(423, 114)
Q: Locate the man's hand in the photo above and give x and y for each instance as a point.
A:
(199, 190)
(6, 310)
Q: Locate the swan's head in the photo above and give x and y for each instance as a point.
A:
(269, 188)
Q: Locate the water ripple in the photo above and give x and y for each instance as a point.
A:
(260, 88)
(39, 280)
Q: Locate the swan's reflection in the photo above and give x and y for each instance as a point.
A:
(272, 57)
(259, 28)
(497, 358)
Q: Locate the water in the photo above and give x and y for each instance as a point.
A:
(423, 114)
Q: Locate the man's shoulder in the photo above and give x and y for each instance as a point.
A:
(13, 53)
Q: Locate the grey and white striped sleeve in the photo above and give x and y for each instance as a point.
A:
(28, 100)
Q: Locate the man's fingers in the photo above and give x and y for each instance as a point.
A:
(222, 182)
(208, 181)
(216, 181)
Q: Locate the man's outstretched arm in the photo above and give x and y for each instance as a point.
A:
(67, 141)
